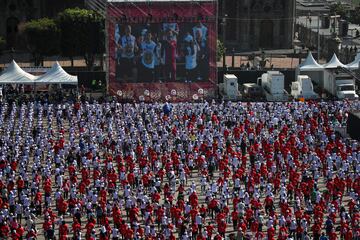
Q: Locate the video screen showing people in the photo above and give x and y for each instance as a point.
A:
(161, 52)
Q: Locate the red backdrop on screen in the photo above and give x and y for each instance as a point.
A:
(181, 38)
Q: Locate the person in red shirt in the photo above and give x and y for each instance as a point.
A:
(271, 232)
(235, 217)
(254, 226)
(169, 47)
(333, 235)
(348, 235)
(20, 231)
(209, 229)
(222, 227)
(63, 230)
(218, 237)
(20, 185)
(259, 236)
(89, 227)
(172, 237)
(31, 234)
(268, 204)
(129, 234)
(15, 235)
(5, 230)
(194, 229)
(76, 226)
(316, 228)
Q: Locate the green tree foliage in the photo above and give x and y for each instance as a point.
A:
(82, 34)
(355, 16)
(220, 50)
(339, 9)
(42, 38)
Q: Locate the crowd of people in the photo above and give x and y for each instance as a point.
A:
(152, 52)
(198, 171)
(23, 94)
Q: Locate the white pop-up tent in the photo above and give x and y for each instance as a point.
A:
(13, 74)
(310, 64)
(57, 75)
(354, 65)
(311, 68)
(334, 63)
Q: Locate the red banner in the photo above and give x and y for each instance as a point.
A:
(162, 50)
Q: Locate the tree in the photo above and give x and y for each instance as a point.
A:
(339, 9)
(220, 50)
(42, 38)
(82, 34)
(355, 16)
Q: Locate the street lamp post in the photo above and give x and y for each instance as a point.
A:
(223, 40)
(309, 30)
(318, 39)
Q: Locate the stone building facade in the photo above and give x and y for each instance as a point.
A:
(15, 12)
(257, 24)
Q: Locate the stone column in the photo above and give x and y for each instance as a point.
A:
(290, 14)
(277, 42)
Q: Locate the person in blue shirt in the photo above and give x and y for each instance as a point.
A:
(147, 54)
(202, 31)
(167, 108)
(200, 39)
(117, 42)
(323, 237)
(174, 28)
(127, 48)
(328, 225)
(190, 53)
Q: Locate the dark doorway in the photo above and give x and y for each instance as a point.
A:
(11, 31)
(266, 34)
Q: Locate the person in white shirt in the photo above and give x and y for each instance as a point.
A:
(199, 221)
(115, 234)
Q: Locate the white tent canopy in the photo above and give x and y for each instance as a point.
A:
(57, 75)
(13, 74)
(354, 64)
(310, 64)
(334, 63)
